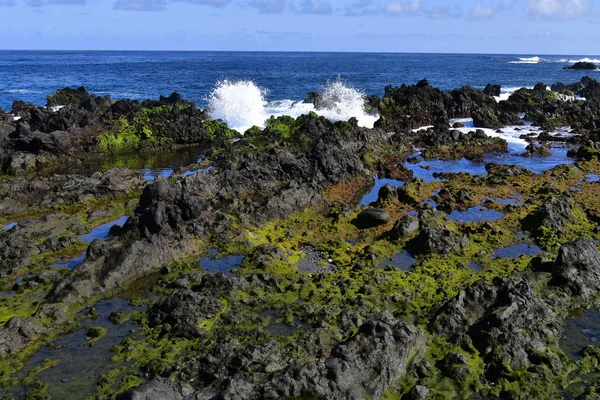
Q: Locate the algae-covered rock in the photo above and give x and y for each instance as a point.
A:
(404, 227)
(556, 212)
(181, 313)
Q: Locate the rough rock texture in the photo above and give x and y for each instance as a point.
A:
(554, 213)
(181, 313)
(507, 323)
(364, 366)
(404, 227)
(16, 333)
(435, 237)
(156, 389)
(577, 269)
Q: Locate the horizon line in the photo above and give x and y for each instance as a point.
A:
(294, 51)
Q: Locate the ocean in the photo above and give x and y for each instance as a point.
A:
(245, 87)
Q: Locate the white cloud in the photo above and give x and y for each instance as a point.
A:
(442, 12)
(140, 5)
(269, 6)
(480, 11)
(316, 7)
(565, 9)
(407, 7)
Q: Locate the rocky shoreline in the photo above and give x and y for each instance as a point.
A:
(301, 302)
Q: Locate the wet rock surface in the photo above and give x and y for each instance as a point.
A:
(312, 309)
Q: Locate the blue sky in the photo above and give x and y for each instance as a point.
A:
(469, 26)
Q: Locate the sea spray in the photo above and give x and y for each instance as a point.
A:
(340, 102)
(240, 104)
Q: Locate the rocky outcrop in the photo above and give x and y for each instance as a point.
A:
(17, 333)
(577, 269)
(384, 345)
(434, 237)
(157, 388)
(507, 323)
(180, 314)
(554, 213)
(582, 65)
(492, 90)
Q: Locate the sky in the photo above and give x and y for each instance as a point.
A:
(534, 27)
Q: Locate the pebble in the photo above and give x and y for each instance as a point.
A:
(593, 339)
(586, 331)
(65, 380)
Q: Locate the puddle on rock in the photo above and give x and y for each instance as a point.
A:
(403, 260)
(150, 165)
(152, 174)
(372, 196)
(427, 168)
(196, 171)
(225, 264)
(101, 232)
(517, 250)
(8, 226)
(474, 266)
(579, 331)
(591, 178)
(504, 202)
(476, 214)
(80, 365)
(282, 328)
(69, 263)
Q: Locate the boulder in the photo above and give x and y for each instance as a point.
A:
(492, 90)
(404, 227)
(372, 217)
(577, 269)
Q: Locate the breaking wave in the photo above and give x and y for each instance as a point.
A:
(242, 104)
(531, 60)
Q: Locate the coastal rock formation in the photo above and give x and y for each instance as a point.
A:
(582, 65)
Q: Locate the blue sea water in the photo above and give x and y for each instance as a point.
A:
(30, 75)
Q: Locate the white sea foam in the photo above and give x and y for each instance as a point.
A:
(242, 105)
(586, 59)
(512, 133)
(505, 92)
(22, 91)
(530, 60)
